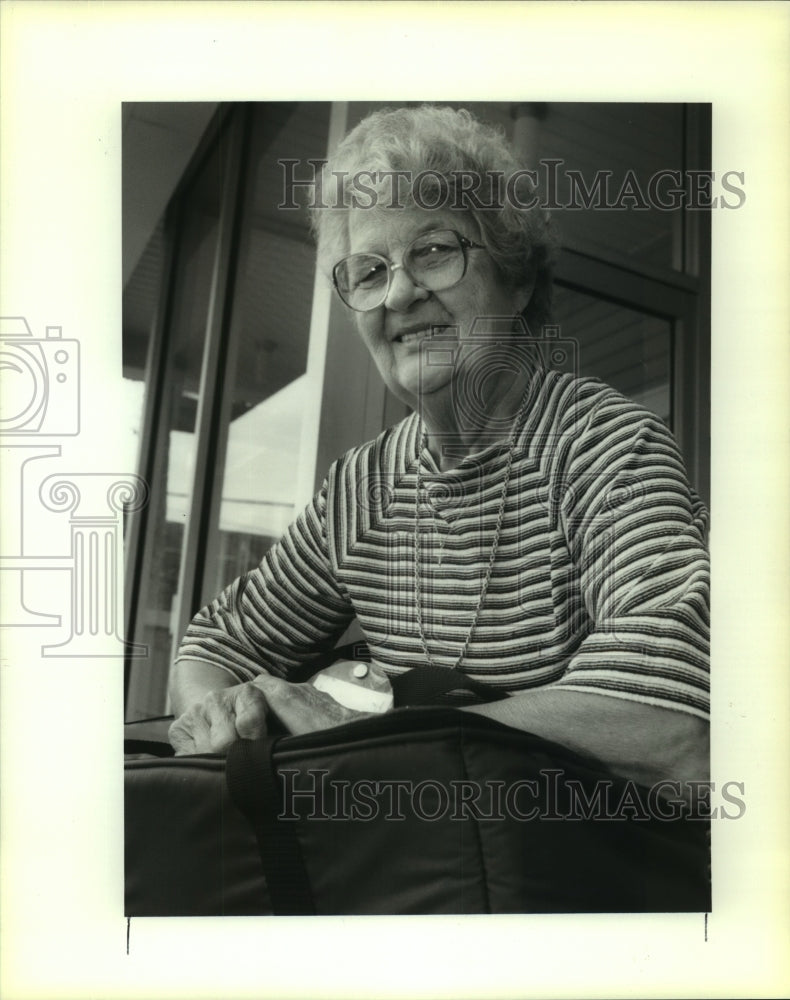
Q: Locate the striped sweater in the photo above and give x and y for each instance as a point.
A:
(600, 582)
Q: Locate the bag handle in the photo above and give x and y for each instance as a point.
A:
(253, 785)
(431, 685)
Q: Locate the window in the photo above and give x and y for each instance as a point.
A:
(225, 381)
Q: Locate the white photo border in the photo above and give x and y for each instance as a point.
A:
(66, 69)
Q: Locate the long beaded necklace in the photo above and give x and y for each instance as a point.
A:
(494, 545)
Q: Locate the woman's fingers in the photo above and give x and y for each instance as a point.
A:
(251, 709)
(301, 707)
(239, 712)
(190, 732)
(221, 718)
(180, 739)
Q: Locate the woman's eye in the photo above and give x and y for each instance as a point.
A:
(432, 248)
(373, 275)
(432, 253)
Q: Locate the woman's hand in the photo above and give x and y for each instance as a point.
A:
(219, 719)
(302, 708)
(240, 712)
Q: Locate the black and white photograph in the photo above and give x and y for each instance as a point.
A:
(393, 415)
(422, 401)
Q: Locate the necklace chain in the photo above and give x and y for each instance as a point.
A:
(494, 544)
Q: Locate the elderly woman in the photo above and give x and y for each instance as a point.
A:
(524, 527)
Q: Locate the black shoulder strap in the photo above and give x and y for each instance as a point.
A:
(431, 685)
(253, 785)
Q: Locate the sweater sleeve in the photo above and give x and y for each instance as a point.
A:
(280, 615)
(636, 533)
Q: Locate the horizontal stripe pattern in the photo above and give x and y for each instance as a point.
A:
(600, 582)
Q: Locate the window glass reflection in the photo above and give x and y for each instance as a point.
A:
(272, 310)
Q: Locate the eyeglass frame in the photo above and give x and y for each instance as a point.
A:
(465, 243)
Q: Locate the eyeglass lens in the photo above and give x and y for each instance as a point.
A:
(434, 261)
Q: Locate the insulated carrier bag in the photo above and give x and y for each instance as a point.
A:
(422, 810)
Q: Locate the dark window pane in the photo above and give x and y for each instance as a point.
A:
(621, 138)
(627, 349)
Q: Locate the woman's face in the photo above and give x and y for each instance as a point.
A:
(395, 331)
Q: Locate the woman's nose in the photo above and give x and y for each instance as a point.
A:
(402, 291)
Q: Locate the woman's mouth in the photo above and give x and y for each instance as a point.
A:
(411, 336)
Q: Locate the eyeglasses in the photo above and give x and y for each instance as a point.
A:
(434, 261)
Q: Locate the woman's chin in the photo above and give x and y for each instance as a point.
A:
(413, 382)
